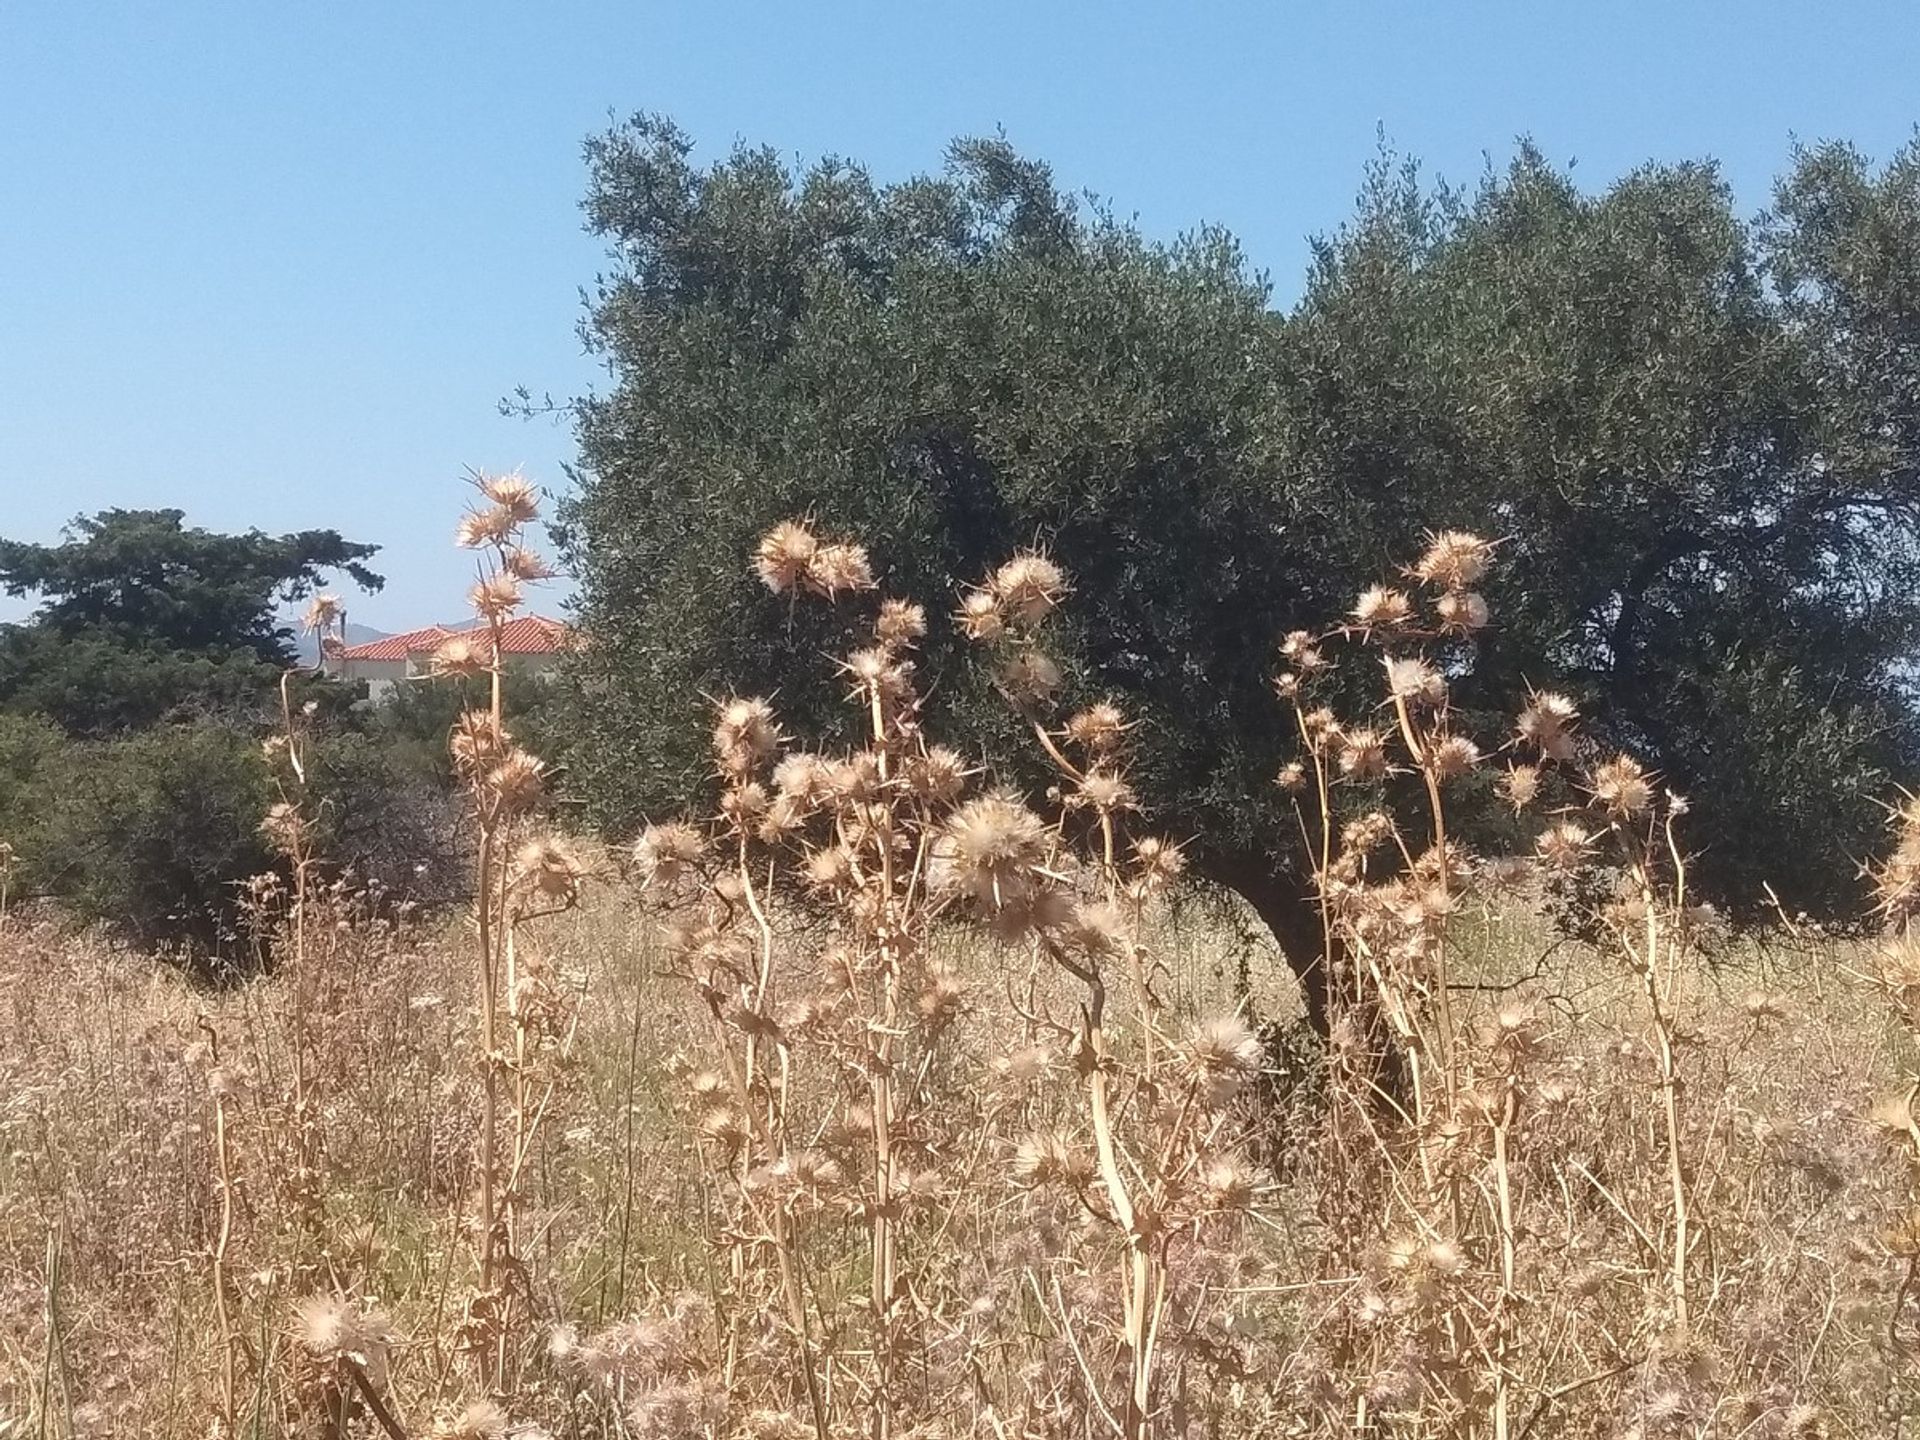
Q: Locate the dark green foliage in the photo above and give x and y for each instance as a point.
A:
(412, 721)
(383, 825)
(947, 370)
(143, 618)
(1705, 484)
(152, 834)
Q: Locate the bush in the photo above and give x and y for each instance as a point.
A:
(384, 824)
(153, 834)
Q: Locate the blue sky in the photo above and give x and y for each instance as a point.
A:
(276, 263)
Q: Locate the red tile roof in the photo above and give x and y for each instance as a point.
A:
(528, 635)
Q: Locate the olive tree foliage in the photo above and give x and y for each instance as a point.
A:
(1693, 435)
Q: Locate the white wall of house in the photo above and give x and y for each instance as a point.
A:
(382, 675)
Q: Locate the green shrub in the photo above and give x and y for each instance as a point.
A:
(153, 834)
(385, 822)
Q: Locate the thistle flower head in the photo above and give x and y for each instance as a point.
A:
(1462, 611)
(497, 596)
(1621, 788)
(1454, 560)
(744, 734)
(784, 555)
(665, 853)
(979, 617)
(1292, 777)
(514, 493)
(323, 612)
(899, 623)
(1546, 724)
(1413, 680)
(1028, 587)
(1381, 607)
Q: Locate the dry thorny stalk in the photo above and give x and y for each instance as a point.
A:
(1443, 1107)
(834, 1095)
(522, 871)
(526, 1010)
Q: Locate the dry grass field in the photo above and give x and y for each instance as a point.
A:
(127, 1093)
(888, 1102)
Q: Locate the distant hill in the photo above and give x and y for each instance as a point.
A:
(309, 645)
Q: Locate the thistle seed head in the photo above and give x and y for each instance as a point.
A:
(1414, 681)
(838, 569)
(1100, 728)
(526, 565)
(1563, 845)
(1454, 560)
(1621, 788)
(1030, 678)
(322, 614)
(496, 597)
(1224, 1047)
(784, 556)
(938, 777)
(664, 853)
(1453, 756)
(899, 624)
(1546, 724)
(1462, 611)
(458, 655)
(1380, 607)
(1521, 786)
(490, 525)
(980, 618)
(514, 493)
(1363, 754)
(550, 866)
(1028, 587)
(744, 734)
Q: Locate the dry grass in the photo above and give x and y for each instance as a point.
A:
(112, 1200)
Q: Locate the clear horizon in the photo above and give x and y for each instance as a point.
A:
(277, 269)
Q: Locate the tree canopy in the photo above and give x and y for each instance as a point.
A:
(141, 615)
(1694, 435)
